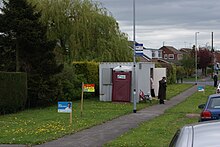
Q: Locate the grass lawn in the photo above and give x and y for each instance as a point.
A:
(159, 131)
(175, 89)
(37, 126)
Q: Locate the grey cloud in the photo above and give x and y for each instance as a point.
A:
(164, 11)
(156, 18)
(1, 3)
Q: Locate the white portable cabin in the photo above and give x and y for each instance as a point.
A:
(143, 71)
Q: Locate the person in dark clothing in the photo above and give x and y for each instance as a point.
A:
(215, 78)
(162, 90)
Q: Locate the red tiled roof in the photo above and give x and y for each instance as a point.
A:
(174, 50)
(187, 50)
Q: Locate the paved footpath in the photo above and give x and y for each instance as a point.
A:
(101, 134)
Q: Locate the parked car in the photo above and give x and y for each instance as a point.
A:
(203, 134)
(211, 110)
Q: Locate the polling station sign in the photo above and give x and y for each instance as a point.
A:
(64, 107)
(89, 88)
(201, 88)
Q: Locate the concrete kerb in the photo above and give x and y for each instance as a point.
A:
(98, 135)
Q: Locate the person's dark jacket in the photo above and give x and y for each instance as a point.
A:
(162, 89)
(215, 80)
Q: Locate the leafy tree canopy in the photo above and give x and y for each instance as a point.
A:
(188, 62)
(205, 57)
(26, 35)
(84, 30)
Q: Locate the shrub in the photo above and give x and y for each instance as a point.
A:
(90, 72)
(170, 72)
(13, 89)
(72, 77)
(180, 73)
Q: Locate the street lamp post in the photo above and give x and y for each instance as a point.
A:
(196, 38)
(134, 61)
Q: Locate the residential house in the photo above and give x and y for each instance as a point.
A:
(153, 53)
(217, 56)
(216, 60)
(147, 54)
(171, 54)
(186, 50)
(140, 52)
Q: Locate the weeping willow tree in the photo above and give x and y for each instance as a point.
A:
(84, 31)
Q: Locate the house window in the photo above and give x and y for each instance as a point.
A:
(153, 54)
(165, 56)
(171, 56)
(160, 54)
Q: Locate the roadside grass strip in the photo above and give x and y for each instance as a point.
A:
(158, 132)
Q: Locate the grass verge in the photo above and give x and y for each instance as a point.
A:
(159, 131)
(37, 126)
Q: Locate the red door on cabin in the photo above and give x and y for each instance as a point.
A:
(121, 90)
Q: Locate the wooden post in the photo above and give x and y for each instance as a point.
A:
(82, 99)
(71, 117)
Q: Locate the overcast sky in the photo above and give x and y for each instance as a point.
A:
(1, 3)
(173, 22)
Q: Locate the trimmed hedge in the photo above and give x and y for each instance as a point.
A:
(13, 92)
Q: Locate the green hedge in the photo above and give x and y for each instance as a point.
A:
(13, 92)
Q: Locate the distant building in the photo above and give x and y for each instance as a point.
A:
(186, 50)
(164, 55)
(139, 52)
(171, 54)
(216, 57)
(153, 53)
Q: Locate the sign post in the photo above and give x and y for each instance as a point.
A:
(86, 88)
(65, 107)
(81, 108)
(71, 118)
(201, 89)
